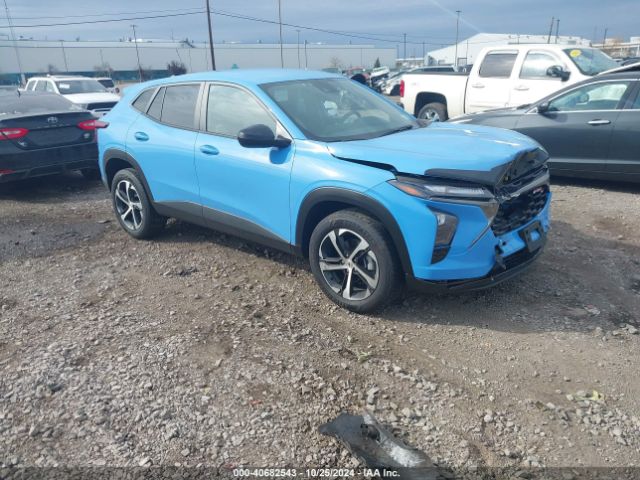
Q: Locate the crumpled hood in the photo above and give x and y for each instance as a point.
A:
(442, 150)
(96, 97)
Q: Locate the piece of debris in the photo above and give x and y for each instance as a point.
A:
(373, 445)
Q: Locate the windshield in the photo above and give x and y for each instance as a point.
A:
(68, 87)
(335, 109)
(590, 61)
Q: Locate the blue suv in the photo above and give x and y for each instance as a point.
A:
(316, 164)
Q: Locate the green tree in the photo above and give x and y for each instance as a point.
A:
(377, 64)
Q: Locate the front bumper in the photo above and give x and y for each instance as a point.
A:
(504, 269)
(47, 161)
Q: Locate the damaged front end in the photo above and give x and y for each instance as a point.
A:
(490, 224)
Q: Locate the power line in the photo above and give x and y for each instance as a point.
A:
(106, 14)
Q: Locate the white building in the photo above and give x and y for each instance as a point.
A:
(37, 57)
(469, 49)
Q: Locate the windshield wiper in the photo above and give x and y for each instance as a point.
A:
(398, 130)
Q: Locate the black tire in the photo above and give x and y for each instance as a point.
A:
(145, 225)
(389, 271)
(439, 109)
(91, 174)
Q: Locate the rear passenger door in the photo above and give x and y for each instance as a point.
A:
(491, 86)
(624, 154)
(162, 140)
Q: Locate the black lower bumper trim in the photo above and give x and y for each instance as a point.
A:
(44, 170)
(512, 266)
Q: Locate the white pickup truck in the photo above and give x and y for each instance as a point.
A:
(504, 76)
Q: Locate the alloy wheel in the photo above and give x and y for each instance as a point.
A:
(348, 264)
(431, 114)
(129, 205)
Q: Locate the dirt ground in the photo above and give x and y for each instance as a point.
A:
(199, 349)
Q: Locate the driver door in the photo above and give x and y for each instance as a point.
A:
(576, 129)
(246, 189)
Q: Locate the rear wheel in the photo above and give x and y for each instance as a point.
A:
(132, 206)
(434, 112)
(354, 261)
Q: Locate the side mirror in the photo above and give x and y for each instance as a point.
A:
(557, 71)
(261, 136)
(543, 108)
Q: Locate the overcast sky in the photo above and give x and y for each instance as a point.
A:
(431, 21)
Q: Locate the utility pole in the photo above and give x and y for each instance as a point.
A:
(298, 45)
(213, 57)
(404, 54)
(455, 60)
(306, 59)
(553, 19)
(557, 29)
(423, 51)
(15, 45)
(135, 40)
(604, 40)
(280, 24)
(64, 55)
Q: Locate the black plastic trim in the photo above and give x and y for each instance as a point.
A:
(497, 275)
(116, 154)
(355, 199)
(223, 222)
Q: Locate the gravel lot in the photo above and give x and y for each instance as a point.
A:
(199, 349)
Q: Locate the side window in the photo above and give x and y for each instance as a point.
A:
(179, 105)
(599, 96)
(498, 64)
(31, 84)
(536, 64)
(142, 101)
(636, 104)
(48, 87)
(156, 106)
(41, 86)
(231, 109)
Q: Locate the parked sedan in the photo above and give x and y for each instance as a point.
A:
(44, 134)
(591, 129)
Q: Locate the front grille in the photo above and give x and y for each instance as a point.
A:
(519, 211)
(100, 105)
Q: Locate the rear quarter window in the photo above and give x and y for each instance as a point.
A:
(142, 102)
(498, 65)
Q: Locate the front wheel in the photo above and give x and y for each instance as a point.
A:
(132, 207)
(434, 112)
(354, 261)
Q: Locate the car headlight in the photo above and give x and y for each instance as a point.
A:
(439, 190)
(433, 189)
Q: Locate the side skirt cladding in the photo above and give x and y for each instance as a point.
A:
(340, 196)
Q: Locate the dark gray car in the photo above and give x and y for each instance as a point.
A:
(590, 129)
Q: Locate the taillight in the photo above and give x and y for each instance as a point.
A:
(92, 124)
(12, 133)
(402, 88)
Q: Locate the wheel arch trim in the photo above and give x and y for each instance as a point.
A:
(115, 154)
(354, 199)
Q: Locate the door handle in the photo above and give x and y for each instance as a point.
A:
(141, 136)
(478, 85)
(599, 122)
(209, 150)
(521, 88)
